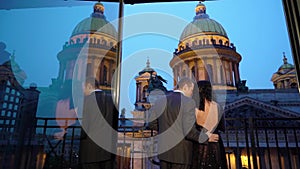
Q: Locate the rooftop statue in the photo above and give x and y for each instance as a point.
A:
(155, 82)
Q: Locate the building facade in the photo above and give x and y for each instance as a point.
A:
(18, 107)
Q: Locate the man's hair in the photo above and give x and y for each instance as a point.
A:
(185, 81)
(92, 81)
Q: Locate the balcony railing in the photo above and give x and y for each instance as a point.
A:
(249, 143)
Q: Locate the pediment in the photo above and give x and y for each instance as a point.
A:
(239, 112)
(249, 107)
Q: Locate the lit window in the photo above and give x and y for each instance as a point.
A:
(13, 91)
(16, 107)
(1, 121)
(10, 106)
(7, 90)
(17, 100)
(4, 105)
(5, 97)
(3, 113)
(11, 99)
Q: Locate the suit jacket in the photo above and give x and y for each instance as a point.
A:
(174, 118)
(99, 114)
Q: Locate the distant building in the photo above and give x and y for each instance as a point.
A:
(285, 77)
(18, 111)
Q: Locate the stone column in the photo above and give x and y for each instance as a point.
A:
(196, 69)
(101, 71)
(230, 70)
(215, 71)
(110, 72)
(236, 77)
(175, 73)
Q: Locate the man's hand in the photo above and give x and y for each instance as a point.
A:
(213, 138)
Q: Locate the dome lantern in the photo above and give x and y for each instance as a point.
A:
(202, 23)
(200, 11)
(96, 23)
(98, 10)
(147, 68)
(286, 66)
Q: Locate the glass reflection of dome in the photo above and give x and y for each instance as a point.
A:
(95, 23)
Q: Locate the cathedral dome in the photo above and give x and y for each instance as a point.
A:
(95, 23)
(285, 77)
(202, 24)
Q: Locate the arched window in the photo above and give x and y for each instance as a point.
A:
(181, 48)
(293, 85)
(78, 40)
(200, 42)
(98, 41)
(220, 42)
(85, 39)
(226, 43)
(104, 42)
(194, 43)
(213, 41)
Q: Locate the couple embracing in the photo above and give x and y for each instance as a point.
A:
(188, 123)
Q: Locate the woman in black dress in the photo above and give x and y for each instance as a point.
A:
(208, 155)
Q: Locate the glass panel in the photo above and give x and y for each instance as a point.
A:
(49, 49)
(44, 46)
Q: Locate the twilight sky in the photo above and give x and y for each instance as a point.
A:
(257, 28)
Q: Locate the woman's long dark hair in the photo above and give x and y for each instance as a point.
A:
(202, 91)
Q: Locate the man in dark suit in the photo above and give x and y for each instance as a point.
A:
(99, 126)
(174, 118)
